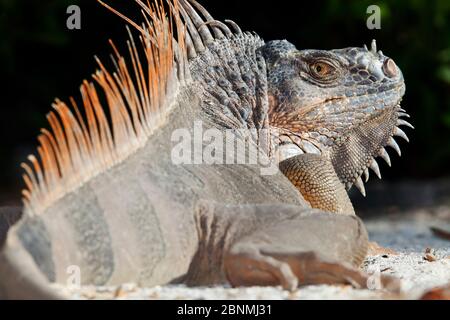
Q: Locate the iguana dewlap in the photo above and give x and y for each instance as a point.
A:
(112, 191)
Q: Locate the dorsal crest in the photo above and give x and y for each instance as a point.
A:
(120, 109)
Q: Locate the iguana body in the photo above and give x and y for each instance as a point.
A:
(120, 209)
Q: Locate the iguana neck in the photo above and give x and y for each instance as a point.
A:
(232, 76)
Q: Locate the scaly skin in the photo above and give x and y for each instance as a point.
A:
(341, 104)
(317, 181)
(145, 219)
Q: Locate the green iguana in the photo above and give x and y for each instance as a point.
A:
(107, 193)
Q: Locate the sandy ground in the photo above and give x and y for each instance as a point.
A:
(423, 259)
(422, 262)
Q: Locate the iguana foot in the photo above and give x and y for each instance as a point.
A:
(249, 268)
(277, 244)
(252, 267)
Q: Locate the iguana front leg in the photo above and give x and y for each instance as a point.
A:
(309, 247)
(317, 181)
(277, 244)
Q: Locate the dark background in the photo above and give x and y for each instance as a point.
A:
(41, 59)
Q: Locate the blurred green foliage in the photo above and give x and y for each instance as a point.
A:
(40, 59)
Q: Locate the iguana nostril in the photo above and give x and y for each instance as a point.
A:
(389, 68)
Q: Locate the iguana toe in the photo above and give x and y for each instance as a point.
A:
(253, 268)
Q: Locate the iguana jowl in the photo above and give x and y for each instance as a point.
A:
(103, 194)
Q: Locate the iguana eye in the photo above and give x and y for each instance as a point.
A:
(321, 69)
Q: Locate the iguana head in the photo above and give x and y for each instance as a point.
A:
(343, 104)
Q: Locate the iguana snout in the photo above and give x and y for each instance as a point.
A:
(390, 69)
